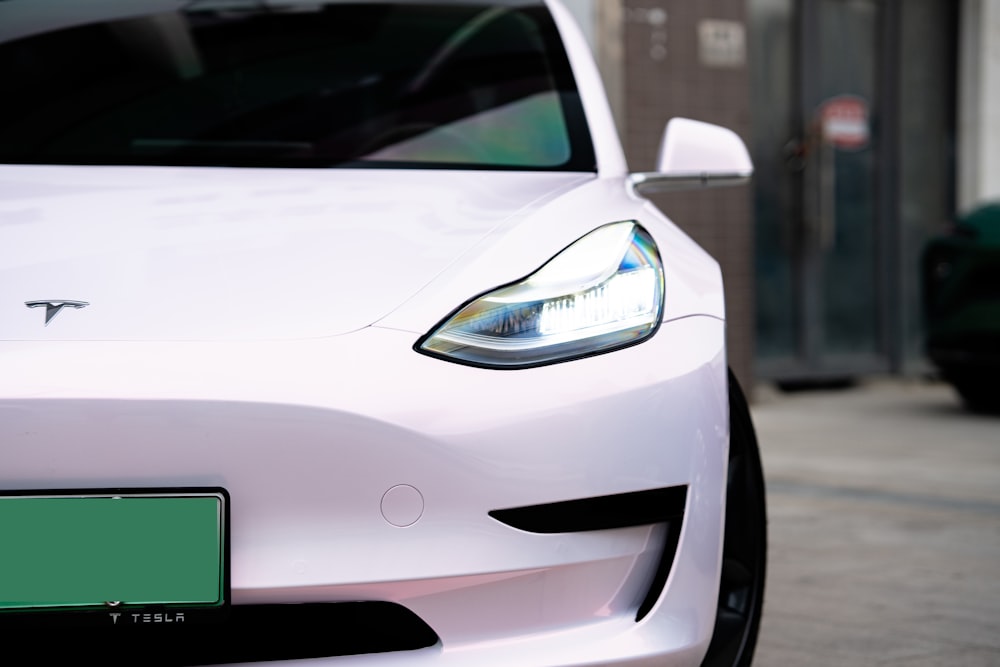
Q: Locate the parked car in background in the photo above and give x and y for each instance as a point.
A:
(961, 278)
(341, 331)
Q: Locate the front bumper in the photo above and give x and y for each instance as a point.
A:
(360, 470)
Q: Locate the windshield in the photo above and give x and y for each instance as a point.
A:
(357, 85)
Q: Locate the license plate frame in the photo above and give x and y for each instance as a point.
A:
(162, 554)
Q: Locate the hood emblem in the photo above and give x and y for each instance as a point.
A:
(53, 307)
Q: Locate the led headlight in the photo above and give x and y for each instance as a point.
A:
(602, 292)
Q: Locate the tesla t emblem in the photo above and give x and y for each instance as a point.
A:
(52, 308)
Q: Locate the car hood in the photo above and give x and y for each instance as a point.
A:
(163, 253)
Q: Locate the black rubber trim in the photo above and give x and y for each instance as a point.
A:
(620, 510)
(253, 633)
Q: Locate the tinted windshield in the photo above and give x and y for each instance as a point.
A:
(451, 85)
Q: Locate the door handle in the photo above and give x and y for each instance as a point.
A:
(816, 159)
(796, 154)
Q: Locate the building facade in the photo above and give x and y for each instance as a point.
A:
(871, 124)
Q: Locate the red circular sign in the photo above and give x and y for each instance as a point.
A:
(844, 121)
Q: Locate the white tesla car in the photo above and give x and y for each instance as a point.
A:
(341, 332)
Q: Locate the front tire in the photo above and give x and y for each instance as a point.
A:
(744, 551)
(979, 394)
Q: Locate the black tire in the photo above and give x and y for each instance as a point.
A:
(744, 552)
(978, 394)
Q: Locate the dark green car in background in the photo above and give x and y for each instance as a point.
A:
(961, 277)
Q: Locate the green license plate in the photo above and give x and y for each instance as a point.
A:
(120, 550)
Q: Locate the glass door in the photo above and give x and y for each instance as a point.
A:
(821, 232)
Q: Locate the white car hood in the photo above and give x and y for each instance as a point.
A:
(164, 253)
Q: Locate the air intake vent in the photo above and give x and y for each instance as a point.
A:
(254, 633)
(621, 510)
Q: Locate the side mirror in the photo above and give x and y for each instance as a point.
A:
(695, 154)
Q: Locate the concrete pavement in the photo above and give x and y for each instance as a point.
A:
(884, 507)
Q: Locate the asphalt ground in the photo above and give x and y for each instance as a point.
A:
(884, 527)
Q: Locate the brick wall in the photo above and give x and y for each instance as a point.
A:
(666, 74)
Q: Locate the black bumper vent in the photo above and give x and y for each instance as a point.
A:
(621, 510)
(252, 633)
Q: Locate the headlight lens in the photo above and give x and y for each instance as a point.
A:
(602, 292)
